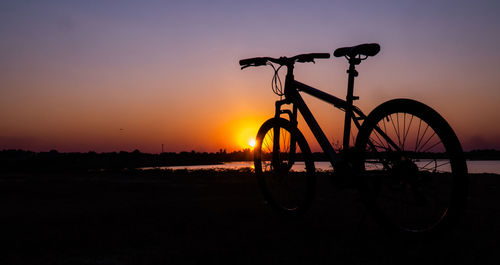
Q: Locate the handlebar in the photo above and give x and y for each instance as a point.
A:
(301, 58)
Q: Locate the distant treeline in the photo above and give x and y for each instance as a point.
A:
(20, 160)
(485, 154)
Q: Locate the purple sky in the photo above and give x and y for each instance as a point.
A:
(125, 75)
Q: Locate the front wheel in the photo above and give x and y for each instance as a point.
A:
(284, 167)
(412, 166)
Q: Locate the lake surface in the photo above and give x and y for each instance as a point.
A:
(474, 166)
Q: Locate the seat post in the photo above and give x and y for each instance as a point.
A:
(352, 73)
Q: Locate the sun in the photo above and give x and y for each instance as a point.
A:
(252, 142)
(245, 132)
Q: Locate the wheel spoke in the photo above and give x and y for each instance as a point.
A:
(420, 140)
(427, 141)
(418, 135)
(432, 146)
(407, 131)
(436, 166)
(395, 130)
(425, 166)
(378, 143)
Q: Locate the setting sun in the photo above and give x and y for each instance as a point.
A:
(240, 133)
(252, 142)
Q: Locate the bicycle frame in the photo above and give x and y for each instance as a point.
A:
(292, 96)
(391, 178)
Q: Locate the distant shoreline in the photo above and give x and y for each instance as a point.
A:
(20, 160)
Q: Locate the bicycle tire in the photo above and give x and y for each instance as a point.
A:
(285, 176)
(420, 189)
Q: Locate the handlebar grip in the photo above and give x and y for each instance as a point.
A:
(309, 57)
(254, 61)
(320, 55)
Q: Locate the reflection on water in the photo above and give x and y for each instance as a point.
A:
(479, 166)
(430, 165)
(227, 165)
(298, 166)
(475, 166)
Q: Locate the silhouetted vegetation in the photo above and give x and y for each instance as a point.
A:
(28, 161)
(487, 154)
(20, 160)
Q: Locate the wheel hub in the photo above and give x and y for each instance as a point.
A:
(405, 170)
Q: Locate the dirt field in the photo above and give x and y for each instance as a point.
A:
(207, 217)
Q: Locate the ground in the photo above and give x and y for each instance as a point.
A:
(205, 217)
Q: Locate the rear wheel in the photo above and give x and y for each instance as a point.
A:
(412, 166)
(284, 167)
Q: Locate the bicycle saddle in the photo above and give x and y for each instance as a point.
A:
(367, 49)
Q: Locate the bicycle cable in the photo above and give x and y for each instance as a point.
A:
(276, 83)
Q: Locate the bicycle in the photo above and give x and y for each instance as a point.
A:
(407, 161)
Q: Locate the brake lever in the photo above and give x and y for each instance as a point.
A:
(245, 66)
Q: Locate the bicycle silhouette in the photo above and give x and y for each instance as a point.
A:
(406, 161)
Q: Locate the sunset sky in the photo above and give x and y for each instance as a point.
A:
(124, 75)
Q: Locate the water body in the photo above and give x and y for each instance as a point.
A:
(474, 166)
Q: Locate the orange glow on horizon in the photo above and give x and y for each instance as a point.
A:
(246, 138)
(236, 132)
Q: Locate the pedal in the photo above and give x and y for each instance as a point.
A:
(355, 97)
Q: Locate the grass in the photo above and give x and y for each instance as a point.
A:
(214, 216)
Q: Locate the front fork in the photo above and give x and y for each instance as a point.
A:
(278, 161)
